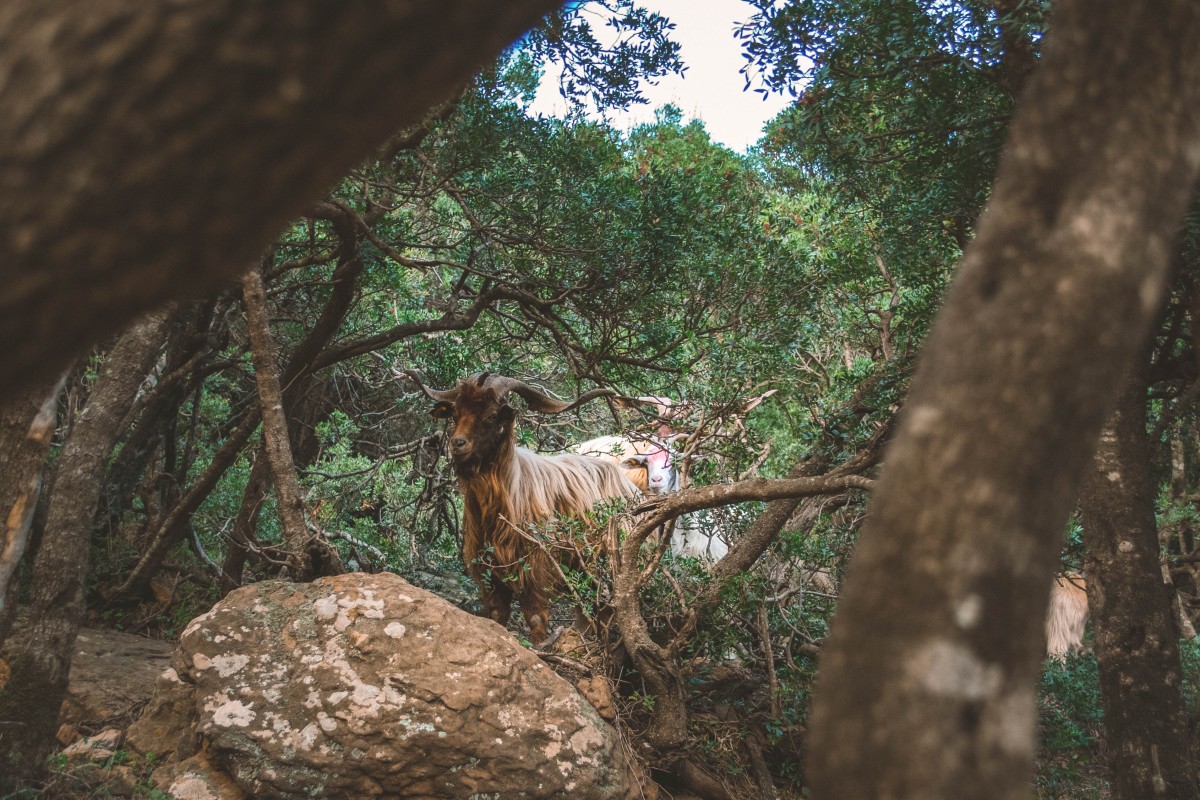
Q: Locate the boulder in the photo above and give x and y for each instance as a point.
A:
(111, 673)
(366, 686)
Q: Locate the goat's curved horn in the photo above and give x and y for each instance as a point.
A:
(538, 400)
(433, 394)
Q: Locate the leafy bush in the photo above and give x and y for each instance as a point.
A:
(1070, 720)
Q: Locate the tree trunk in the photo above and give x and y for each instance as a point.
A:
(174, 527)
(306, 404)
(184, 369)
(40, 653)
(927, 682)
(242, 538)
(26, 428)
(299, 382)
(1136, 641)
(301, 388)
(150, 150)
(276, 445)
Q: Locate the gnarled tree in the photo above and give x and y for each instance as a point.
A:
(934, 696)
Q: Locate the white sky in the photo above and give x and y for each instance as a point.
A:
(710, 89)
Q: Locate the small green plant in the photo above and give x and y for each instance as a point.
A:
(1189, 658)
(646, 701)
(1070, 720)
(1069, 702)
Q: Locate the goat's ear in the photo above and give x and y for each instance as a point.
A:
(506, 414)
(633, 462)
(442, 410)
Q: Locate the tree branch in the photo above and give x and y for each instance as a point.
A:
(124, 201)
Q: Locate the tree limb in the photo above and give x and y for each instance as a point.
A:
(149, 151)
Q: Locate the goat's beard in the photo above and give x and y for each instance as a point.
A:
(485, 456)
(466, 466)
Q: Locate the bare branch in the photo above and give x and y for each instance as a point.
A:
(670, 506)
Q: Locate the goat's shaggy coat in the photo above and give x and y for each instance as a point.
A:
(508, 490)
(1067, 615)
(517, 491)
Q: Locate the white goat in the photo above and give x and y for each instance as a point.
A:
(692, 537)
(646, 460)
(648, 463)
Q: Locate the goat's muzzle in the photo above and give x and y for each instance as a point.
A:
(464, 457)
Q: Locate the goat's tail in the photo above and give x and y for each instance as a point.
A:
(1067, 615)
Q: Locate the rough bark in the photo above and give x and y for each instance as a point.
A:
(26, 428)
(277, 446)
(1136, 641)
(150, 150)
(927, 682)
(40, 652)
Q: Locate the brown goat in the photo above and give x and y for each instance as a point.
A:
(506, 489)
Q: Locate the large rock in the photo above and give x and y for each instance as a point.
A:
(111, 673)
(366, 686)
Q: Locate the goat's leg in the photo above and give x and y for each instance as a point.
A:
(494, 594)
(536, 609)
(497, 599)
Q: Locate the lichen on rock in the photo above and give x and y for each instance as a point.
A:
(366, 686)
